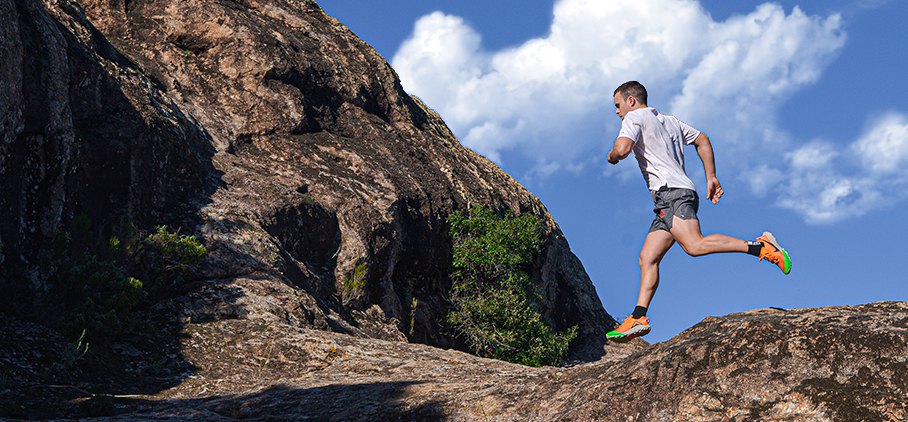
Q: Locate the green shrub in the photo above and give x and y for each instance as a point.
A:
(178, 250)
(164, 259)
(97, 296)
(98, 283)
(493, 296)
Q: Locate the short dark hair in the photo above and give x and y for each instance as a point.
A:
(632, 89)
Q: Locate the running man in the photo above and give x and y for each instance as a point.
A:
(657, 141)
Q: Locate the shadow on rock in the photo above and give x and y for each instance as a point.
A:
(90, 137)
(347, 402)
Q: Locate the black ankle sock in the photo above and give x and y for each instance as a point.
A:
(639, 311)
(754, 248)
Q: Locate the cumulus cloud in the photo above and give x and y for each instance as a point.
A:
(754, 64)
(551, 96)
(548, 101)
(884, 148)
(828, 183)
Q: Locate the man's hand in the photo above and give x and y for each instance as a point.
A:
(714, 190)
(705, 151)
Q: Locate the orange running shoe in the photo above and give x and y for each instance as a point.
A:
(630, 328)
(774, 253)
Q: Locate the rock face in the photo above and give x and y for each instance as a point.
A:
(83, 132)
(841, 363)
(270, 130)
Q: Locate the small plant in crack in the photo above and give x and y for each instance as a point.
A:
(354, 283)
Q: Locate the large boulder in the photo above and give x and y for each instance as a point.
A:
(275, 134)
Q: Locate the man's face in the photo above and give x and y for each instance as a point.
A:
(623, 105)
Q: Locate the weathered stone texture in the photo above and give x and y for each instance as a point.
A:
(825, 364)
(273, 132)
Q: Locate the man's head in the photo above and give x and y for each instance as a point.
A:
(629, 96)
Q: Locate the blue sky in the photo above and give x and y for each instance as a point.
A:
(805, 103)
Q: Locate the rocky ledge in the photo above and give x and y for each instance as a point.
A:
(837, 363)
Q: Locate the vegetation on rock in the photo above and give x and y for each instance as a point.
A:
(354, 283)
(493, 296)
(98, 283)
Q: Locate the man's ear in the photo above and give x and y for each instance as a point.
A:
(632, 101)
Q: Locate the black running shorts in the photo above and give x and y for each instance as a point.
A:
(670, 202)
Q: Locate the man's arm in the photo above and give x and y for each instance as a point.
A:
(622, 148)
(705, 151)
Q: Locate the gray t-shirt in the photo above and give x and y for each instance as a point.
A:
(659, 141)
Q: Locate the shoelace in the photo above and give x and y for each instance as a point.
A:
(770, 256)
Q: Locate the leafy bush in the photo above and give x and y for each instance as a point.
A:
(178, 250)
(97, 296)
(492, 296)
(164, 258)
(99, 282)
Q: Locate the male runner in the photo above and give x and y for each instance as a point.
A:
(657, 141)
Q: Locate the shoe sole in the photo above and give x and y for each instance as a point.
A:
(634, 332)
(775, 243)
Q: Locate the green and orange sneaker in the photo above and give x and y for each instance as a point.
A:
(629, 329)
(774, 253)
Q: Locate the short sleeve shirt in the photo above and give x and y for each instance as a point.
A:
(659, 141)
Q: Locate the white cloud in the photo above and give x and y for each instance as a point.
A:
(442, 53)
(826, 185)
(548, 101)
(755, 62)
(768, 180)
(829, 197)
(551, 97)
(816, 155)
(884, 148)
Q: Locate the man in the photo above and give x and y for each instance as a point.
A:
(657, 141)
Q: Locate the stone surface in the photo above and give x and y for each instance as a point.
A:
(83, 133)
(275, 134)
(837, 363)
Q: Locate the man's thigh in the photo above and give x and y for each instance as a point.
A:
(655, 246)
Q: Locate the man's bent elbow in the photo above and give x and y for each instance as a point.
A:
(702, 141)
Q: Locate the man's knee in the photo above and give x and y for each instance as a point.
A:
(647, 261)
(693, 248)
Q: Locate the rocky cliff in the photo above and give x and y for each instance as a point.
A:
(272, 132)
